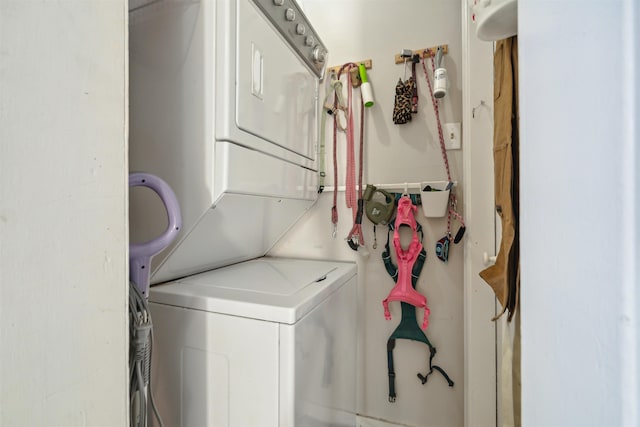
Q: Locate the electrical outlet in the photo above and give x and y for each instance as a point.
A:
(452, 137)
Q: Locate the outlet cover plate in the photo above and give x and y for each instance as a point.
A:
(452, 137)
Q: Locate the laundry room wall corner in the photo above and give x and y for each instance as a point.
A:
(355, 30)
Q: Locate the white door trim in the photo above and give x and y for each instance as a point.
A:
(480, 359)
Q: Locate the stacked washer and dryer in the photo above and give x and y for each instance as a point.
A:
(224, 108)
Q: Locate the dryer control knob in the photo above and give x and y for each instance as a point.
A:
(300, 29)
(278, 2)
(319, 54)
(309, 41)
(290, 14)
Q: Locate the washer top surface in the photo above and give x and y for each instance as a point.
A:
(271, 289)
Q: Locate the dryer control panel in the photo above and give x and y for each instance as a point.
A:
(287, 17)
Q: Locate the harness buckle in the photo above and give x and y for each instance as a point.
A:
(354, 242)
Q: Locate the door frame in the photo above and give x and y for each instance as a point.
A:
(480, 332)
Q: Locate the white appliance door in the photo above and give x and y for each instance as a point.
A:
(276, 92)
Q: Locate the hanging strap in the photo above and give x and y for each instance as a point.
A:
(423, 378)
(338, 104)
(414, 89)
(333, 86)
(350, 178)
(321, 149)
(391, 344)
(353, 191)
(437, 113)
(452, 198)
(392, 375)
(334, 208)
(355, 237)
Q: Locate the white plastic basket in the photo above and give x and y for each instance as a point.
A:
(435, 198)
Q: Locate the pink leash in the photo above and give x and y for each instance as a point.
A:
(353, 194)
(452, 198)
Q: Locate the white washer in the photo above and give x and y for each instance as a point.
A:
(264, 343)
(224, 107)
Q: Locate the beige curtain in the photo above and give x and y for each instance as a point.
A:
(504, 275)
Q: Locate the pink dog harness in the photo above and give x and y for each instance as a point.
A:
(403, 290)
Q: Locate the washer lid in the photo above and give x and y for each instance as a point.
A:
(271, 289)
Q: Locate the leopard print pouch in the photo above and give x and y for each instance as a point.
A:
(402, 105)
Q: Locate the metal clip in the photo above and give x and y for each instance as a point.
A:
(406, 53)
(354, 242)
(375, 238)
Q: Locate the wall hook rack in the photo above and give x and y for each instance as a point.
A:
(355, 75)
(422, 53)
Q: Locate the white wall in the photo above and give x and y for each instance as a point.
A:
(63, 276)
(378, 29)
(579, 212)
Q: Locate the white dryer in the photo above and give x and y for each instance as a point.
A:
(266, 343)
(224, 109)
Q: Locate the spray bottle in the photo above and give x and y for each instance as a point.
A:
(441, 81)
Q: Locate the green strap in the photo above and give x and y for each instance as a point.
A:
(415, 198)
(321, 147)
(392, 375)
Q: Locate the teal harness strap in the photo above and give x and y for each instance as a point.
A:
(393, 269)
(408, 327)
(415, 198)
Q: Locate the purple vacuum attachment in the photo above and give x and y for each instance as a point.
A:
(140, 255)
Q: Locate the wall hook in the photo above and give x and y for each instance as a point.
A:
(473, 111)
(422, 53)
(488, 260)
